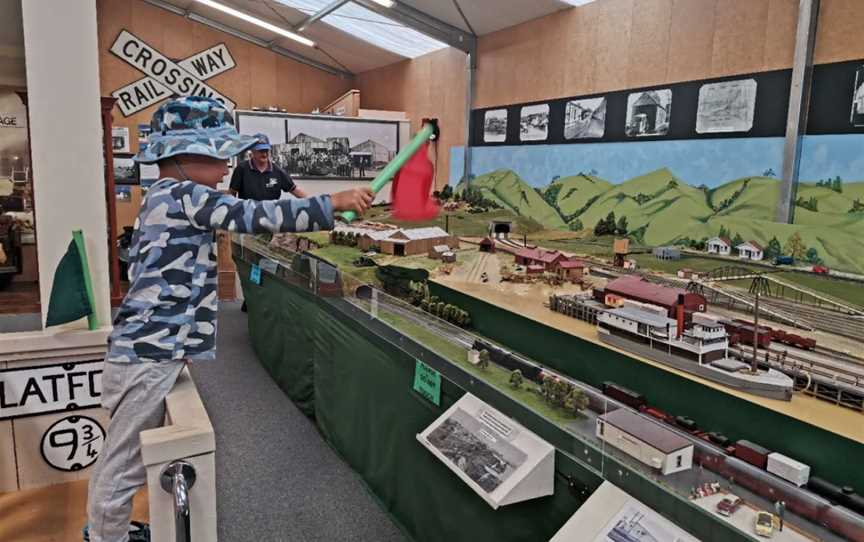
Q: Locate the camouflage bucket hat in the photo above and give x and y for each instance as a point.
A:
(193, 125)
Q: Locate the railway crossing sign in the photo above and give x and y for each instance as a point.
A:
(164, 77)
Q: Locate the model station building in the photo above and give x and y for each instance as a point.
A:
(645, 440)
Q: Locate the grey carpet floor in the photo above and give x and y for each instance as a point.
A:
(277, 479)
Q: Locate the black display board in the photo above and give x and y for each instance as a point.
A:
(833, 91)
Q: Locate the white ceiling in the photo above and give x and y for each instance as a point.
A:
(344, 51)
(12, 68)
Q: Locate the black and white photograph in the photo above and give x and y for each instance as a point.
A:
(726, 107)
(123, 193)
(495, 126)
(534, 123)
(649, 113)
(120, 139)
(336, 149)
(857, 118)
(635, 522)
(125, 170)
(476, 449)
(585, 119)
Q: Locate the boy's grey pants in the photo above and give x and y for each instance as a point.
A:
(135, 395)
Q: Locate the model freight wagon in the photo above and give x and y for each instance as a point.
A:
(645, 440)
(787, 468)
(752, 453)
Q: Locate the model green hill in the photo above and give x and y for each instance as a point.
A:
(574, 193)
(664, 208)
(507, 189)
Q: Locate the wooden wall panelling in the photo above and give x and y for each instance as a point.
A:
(127, 211)
(263, 78)
(739, 37)
(838, 36)
(691, 39)
(780, 34)
(614, 25)
(648, 60)
(577, 45)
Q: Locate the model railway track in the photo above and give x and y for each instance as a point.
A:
(795, 366)
(476, 271)
(824, 320)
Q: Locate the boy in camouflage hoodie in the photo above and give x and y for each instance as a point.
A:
(169, 315)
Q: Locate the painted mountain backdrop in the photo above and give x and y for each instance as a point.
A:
(661, 209)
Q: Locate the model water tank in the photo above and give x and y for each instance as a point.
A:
(752, 453)
(787, 468)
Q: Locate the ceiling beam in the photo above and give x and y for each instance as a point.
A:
(323, 12)
(260, 42)
(426, 24)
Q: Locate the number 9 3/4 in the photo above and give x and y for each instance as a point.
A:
(72, 443)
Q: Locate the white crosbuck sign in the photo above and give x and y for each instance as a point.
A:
(166, 78)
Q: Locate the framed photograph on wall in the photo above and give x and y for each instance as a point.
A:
(495, 126)
(125, 169)
(649, 113)
(336, 148)
(534, 123)
(857, 117)
(585, 119)
(120, 139)
(726, 107)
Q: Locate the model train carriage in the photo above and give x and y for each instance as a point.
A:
(752, 453)
(741, 332)
(624, 395)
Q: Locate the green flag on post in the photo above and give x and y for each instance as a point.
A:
(72, 289)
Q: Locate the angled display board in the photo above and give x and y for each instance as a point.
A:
(499, 459)
(611, 514)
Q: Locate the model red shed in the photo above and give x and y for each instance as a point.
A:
(635, 288)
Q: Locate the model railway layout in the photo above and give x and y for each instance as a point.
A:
(841, 512)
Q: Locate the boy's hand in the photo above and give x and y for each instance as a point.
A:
(356, 199)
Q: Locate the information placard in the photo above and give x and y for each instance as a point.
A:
(427, 382)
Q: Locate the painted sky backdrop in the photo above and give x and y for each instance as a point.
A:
(712, 162)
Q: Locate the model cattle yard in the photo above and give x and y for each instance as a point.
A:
(618, 422)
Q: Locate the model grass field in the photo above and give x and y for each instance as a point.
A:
(663, 209)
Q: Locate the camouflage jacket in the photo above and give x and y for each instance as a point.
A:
(170, 310)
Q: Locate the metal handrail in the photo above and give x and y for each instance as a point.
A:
(177, 479)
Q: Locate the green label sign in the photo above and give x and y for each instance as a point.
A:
(427, 382)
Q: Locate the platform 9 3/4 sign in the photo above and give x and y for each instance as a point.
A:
(73, 443)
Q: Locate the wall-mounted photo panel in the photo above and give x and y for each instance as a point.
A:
(125, 170)
(585, 119)
(649, 113)
(726, 107)
(120, 139)
(857, 118)
(534, 123)
(495, 126)
(499, 459)
(336, 148)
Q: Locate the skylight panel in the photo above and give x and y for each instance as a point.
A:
(372, 28)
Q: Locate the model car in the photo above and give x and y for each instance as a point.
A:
(728, 505)
(821, 270)
(765, 524)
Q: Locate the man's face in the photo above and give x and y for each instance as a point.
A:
(261, 156)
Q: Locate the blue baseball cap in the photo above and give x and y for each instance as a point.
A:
(263, 143)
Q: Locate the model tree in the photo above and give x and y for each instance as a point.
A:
(576, 400)
(483, 361)
(812, 256)
(621, 227)
(795, 247)
(737, 239)
(723, 232)
(837, 184)
(516, 379)
(773, 249)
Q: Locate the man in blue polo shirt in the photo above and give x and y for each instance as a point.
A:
(259, 178)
